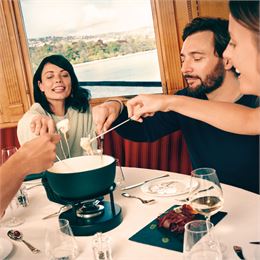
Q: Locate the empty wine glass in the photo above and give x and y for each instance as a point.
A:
(120, 177)
(198, 243)
(6, 153)
(208, 199)
(60, 243)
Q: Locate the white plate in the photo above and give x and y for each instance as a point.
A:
(6, 247)
(168, 187)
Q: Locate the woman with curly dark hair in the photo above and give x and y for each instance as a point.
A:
(58, 96)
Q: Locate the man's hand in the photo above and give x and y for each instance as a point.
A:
(41, 125)
(39, 154)
(105, 114)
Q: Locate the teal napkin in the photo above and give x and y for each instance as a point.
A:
(154, 236)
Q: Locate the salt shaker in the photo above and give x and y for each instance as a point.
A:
(22, 196)
(101, 246)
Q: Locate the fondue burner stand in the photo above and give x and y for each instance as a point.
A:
(93, 215)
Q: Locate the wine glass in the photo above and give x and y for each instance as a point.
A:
(208, 199)
(60, 243)
(120, 177)
(198, 243)
(6, 153)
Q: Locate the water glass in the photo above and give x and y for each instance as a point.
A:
(199, 243)
(60, 243)
(22, 196)
(101, 246)
(120, 177)
(6, 153)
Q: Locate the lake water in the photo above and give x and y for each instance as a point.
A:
(142, 66)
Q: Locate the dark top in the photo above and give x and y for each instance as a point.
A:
(235, 157)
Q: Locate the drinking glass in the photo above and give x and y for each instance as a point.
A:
(6, 153)
(101, 246)
(208, 199)
(60, 243)
(198, 243)
(120, 177)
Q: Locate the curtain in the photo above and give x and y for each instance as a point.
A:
(168, 154)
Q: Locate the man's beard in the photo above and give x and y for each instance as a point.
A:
(212, 81)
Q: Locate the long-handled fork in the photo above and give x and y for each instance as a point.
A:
(109, 130)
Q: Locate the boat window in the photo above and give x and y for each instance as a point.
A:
(111, 43)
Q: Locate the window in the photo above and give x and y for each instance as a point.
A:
(111, 43)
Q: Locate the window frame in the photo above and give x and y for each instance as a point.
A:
(169, 17)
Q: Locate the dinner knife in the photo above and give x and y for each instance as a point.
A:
(143, 182)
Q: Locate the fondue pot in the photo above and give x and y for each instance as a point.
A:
(82, 182)
(83, 177)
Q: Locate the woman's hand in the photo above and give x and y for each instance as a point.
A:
(41, 125)
(146, 105)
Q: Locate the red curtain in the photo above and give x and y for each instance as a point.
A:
(169, 153)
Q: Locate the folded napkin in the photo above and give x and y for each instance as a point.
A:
(154, 236)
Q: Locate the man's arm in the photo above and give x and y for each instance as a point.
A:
(153, 127)
(226, 116)
(33, 157)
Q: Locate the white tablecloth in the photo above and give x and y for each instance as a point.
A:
(241, 225)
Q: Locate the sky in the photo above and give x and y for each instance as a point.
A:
(83, 17)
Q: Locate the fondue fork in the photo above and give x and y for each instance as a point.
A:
(109, 130)
(65, 164)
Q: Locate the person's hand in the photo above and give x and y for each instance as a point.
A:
(105, 114)
(146, 105)
(39, 154)
(42, 124)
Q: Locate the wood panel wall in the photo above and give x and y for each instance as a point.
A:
(15, 96)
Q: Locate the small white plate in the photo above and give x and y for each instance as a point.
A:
(6, 247)
(168, 187)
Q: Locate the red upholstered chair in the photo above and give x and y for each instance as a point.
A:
(169, 153)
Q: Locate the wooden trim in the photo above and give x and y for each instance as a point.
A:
(24, 49)
(13, 96)
(166, 33)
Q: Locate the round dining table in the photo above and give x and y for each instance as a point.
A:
(240, 226)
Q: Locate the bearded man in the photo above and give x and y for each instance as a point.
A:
(209, 76)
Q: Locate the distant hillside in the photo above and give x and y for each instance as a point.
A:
(85, 48)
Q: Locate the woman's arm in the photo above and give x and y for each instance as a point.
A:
(33, 157)
(226, 116)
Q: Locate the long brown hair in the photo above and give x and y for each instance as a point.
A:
(246, 13)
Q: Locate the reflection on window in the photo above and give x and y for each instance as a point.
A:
(105, 40)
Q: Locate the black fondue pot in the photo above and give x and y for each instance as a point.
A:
(82, 178)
